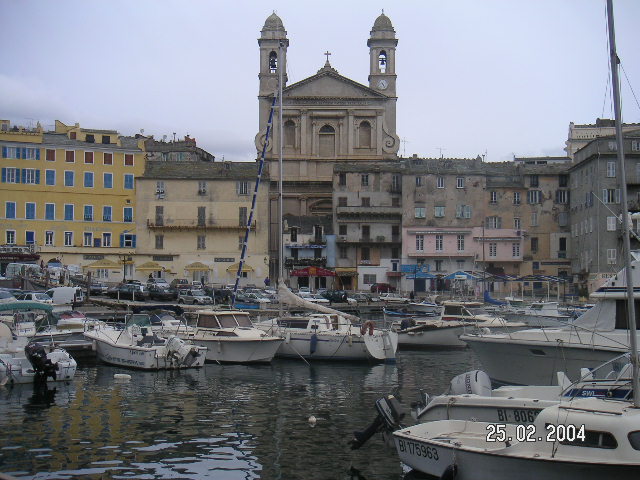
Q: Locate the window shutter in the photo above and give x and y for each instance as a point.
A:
(617, 195)
(37, 154)
(37, 176)
(237, 188)
(499, 222)
(24, 175)
(458, 211)
(4, 175)
(133, 241)
(24, 152)
(122, 239)
(4, 152)
(604, 195)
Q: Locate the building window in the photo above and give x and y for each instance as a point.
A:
(563, 219)
(344, 251)
(611, 195)
(562, 196)
(69, 178)
(106, 213)
(438, 211)
(563, 180)
(612, 223)
(70, 156)
(516, 198)
(534, 196)
(534, 219)
(533, 181)
(420, 212)
(459, 182)
(364, 180)
(420, 243)
(48, 238)
(494, 222)
(611, 169)
(611, 256)
(68, 239)
(515, 250)
(369, 278)
(10, 175)
(242, 188)
(460, 239)
(342, 201)
(242, 216)
(10, 236)
(30, 211)
(68, 211)
(327, 141)
(128, 159)
(106, 239)
(159, 220)
(439, 243)
(128, 181)
(366, 201)
(516, 223)
(342, 230)
(438, 265)
(127, 214)
(395, 201)
(439, 182)
(50, 155)
(107, 158)
(365, 254)
(342, 179)
(88, 179)
(107, 180)
(202, 215)
(613, 146)
(159, 242)
(493, 249)
(50, 177)
(289, 133)
(88, 213)
(202, 187)
(493, 197)
(419, 180)
(30, 176)
(49, 211)
(88, 157)
(87, 239)
(534, 244)
(395, 252)
(396, 183)
(365, 134)
(366, 232)
(10, 209)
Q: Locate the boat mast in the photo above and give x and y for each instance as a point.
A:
(280, 179)
(625, 215)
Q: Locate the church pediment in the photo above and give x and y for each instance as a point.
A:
(328, 83)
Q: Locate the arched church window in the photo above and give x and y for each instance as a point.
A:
(273, 62)
(382, 61)
(327, 141)
(289, 133)
(365, 134)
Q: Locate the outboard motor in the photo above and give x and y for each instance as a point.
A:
(388, 420)
(475, 382)
(41, 364)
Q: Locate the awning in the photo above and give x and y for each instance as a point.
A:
(460, 275)
(346, 271)
(197, 267)
(104, 264)
(312, 272)
(233, 268)
(394, 274)
(150, 266)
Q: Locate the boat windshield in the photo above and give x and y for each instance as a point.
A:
(244, 320)
(227, 320)
(207, 321)
(141, 319)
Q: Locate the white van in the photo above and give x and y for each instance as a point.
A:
(66, 295)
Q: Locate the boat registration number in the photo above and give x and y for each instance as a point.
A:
(418, 449)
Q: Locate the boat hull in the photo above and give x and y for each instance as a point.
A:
(441, 337)
(18, 370)
(238, 350)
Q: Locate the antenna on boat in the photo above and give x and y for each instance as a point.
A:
(631, 314)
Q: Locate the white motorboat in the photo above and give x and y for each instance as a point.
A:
(589, 438)
(65, 329)
(473, 312)
(137, 346)
(424, 308)
(22, 315)
(229, 337)
(429, 332)
(538, 314)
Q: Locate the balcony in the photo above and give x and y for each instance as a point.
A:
(197, 223)
(369, 211)
(562, 254)
(305, 262)
(106, 218)
(88, 218)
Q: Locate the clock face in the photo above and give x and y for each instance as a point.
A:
(382, 84)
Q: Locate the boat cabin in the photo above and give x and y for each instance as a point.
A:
(213, 319)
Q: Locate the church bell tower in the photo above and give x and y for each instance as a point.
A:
(382, 56)
(272, 35)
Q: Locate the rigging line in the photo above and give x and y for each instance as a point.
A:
(630, 86)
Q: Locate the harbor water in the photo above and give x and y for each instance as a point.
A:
(222, 421)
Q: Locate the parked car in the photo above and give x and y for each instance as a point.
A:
(160, 282)
(393, 298)
(382, 288)
(39, 297)
(128, 291)
(194, 296)
(179, 283)
(313, 297)
(98, 288)
(257, 297)
(359, 297)
(6, 297)
(335, 296)
(162, 293)
(66, 295)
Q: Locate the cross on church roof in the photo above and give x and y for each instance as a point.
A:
(327, 53)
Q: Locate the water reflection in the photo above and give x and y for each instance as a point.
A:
(223, 421)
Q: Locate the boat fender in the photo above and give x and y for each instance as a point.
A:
(449, 473)
(313, 344)
(121, 376)
(475, 382)
(485, 331)
(367, 325)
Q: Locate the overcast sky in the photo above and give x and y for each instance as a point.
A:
(503, 77)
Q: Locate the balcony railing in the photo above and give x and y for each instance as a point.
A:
(305, 262)
(88, 218)
(194, 223)
(370, 211)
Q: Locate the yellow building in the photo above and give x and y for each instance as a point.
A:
(192, 220)
(70, 194)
